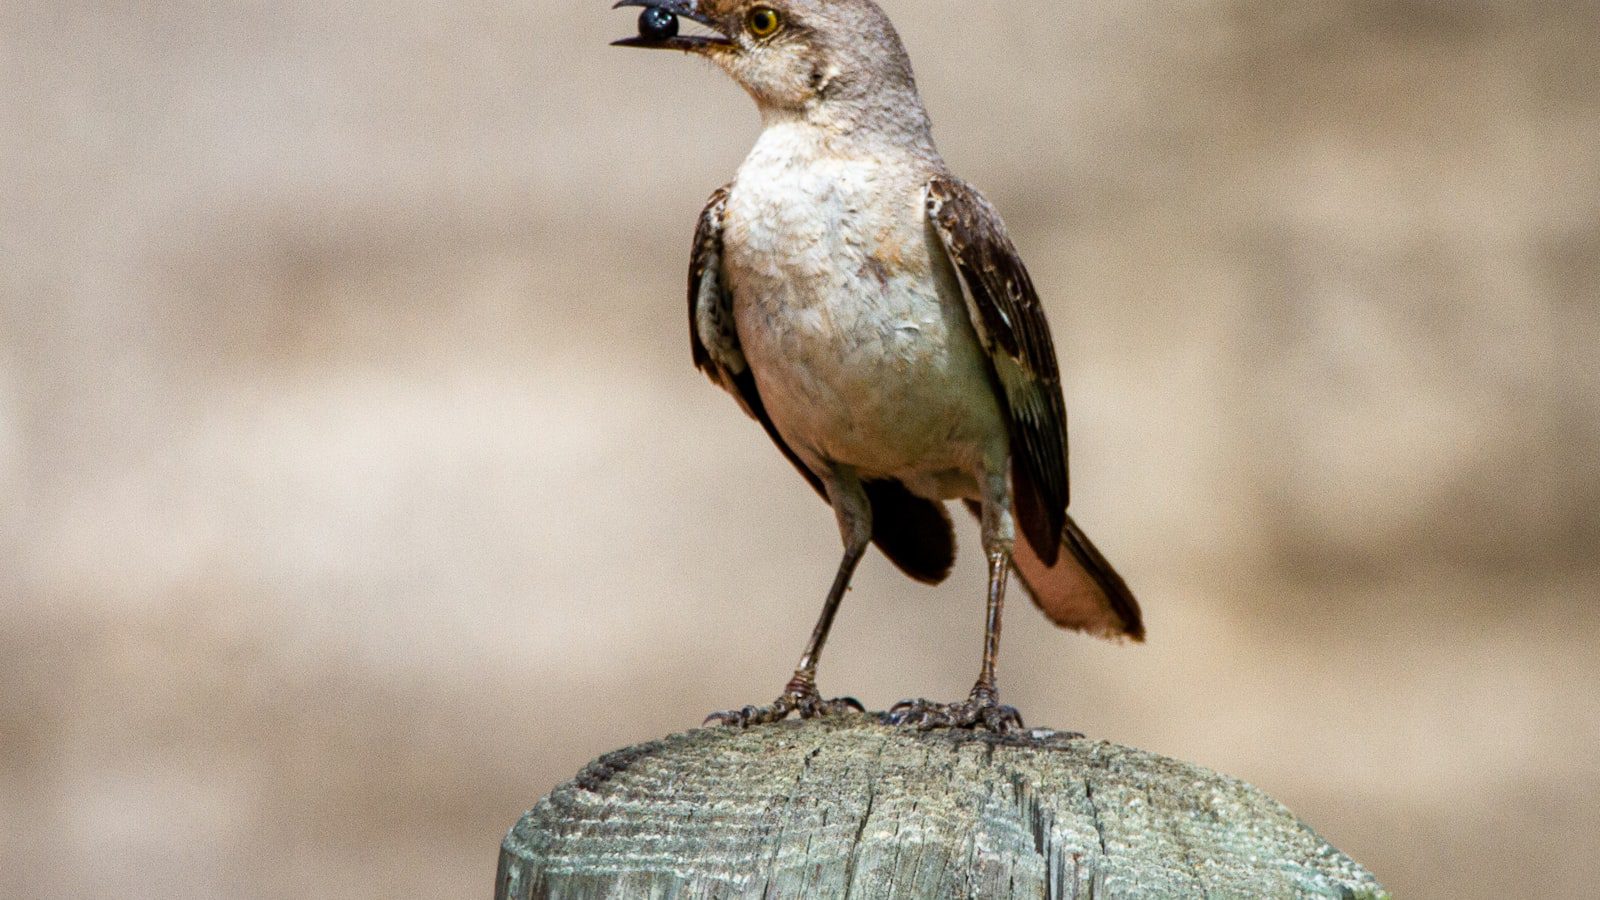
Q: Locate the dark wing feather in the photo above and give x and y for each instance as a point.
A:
(713, 340)
(914, 533)
(1009, 320)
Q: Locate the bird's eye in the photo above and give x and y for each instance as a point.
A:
(763, 21)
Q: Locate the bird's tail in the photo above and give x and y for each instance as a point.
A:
(1081, 591)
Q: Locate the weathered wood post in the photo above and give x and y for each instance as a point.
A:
(852, 807)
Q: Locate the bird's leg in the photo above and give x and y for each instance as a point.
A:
(800, 695)
(982, 707)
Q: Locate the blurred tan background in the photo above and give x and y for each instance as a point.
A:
(356, 487)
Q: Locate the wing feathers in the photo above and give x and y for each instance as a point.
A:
(1009, 319)
(712, 337)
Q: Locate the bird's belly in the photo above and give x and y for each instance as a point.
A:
(853, 323)
(880, 374)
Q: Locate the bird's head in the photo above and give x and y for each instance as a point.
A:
(838, 61)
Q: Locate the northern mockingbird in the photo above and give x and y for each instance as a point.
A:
(867, 308)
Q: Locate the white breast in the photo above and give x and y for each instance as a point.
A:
(851, 321)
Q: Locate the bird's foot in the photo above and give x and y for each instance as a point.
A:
(981, 709)
(799, 696)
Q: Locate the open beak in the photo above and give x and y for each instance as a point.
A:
(689, 43)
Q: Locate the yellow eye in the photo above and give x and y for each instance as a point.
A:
(763, 21)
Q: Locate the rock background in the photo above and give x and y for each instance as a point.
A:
(345, 405)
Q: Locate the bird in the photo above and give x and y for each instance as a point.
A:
(869, 310)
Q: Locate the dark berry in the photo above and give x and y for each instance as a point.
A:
(657, 24)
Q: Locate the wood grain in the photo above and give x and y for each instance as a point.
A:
(850, 807)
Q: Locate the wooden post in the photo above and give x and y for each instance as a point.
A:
(851, 807)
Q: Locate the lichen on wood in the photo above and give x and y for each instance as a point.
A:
(852, 807)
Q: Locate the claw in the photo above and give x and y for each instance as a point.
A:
(982, 709)
(801, 696)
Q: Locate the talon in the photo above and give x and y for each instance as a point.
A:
(799, 696)
(981, 710)
(908, 713)
(1002, 719)
(907, 708)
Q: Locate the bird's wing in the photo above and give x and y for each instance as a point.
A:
(912, 531)
(1010, 323)
(714, 340)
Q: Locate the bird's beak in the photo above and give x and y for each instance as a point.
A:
(689, 43)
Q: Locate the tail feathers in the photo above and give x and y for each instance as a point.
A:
(913, 532)
(1080, 591)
